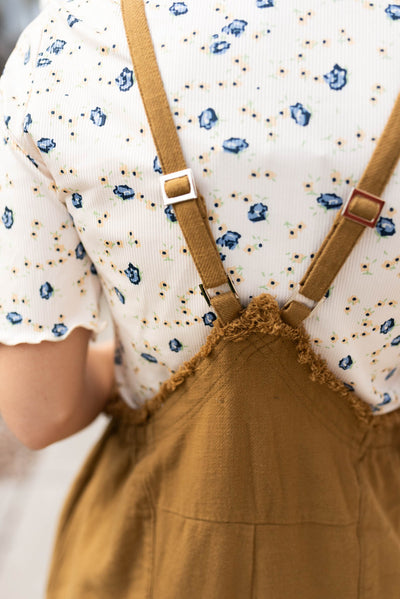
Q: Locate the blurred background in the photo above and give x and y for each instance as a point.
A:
(14, 16)
(33, 484)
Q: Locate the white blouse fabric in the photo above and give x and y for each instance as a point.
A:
(278, 107)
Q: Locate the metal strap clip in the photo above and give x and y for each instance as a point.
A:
(208, 294)
(192, 193)
(359, 219)
(298, 297)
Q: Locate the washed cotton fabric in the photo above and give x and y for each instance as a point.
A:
(278, 109)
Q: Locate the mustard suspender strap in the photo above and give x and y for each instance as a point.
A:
(361, 210)
(191, 213)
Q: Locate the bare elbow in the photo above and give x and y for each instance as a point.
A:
(29, 434)
(37, 441)
(37, 406)
(34, 444)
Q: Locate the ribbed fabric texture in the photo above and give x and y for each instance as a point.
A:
(278, 110)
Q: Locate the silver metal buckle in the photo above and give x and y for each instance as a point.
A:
(192, 194)
(298, 297)
(208, 294)
(359, 219)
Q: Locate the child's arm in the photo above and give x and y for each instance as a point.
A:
(51, 390)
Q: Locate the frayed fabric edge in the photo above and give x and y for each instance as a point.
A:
(262, 315)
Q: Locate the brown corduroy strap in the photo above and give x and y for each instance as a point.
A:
(191, 214)
(345, 232)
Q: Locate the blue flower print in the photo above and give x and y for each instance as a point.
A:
(229, 240)
(43, 62)
(349, 387)
(56, 47)
(59, 329)
(27, 55)
(118, 355)
(7, 120)
(46, 291)
(175, 345)
(219, 47)
(346, 363)
(300, 114)
(149, 358)
(93, 269)
(265, 3)
(27, 122)
(14, 317)
(32, 160)
(46, 144)
(208, 118)
(125, 80)
(71, 20)
(209, 319)
(8, 218)
(336, 78)
(124, 192)
(119, 295)
(222, 256)
(169, 211)
(385, 226)
(387, 326)
(390, 374)
(235, 28)
(235, 145)
(178, 8)
(395, 341)
(257, 212)
(386, 399)
(393, 11)
(97, 116)
(329, 200)
(80, 251)
(77, 200)
(157, 166)
(133, 274)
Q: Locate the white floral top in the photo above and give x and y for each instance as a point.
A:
(278, 106)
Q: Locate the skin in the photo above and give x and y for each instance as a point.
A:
(52, 390)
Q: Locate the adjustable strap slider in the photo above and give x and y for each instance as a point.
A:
(208, 294)
(373, 209)
(178, 187)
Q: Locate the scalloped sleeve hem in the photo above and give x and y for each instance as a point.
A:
(57, 333)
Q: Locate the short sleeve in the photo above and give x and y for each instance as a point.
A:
(48, 283)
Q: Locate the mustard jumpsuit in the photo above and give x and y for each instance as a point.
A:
(254, 473)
